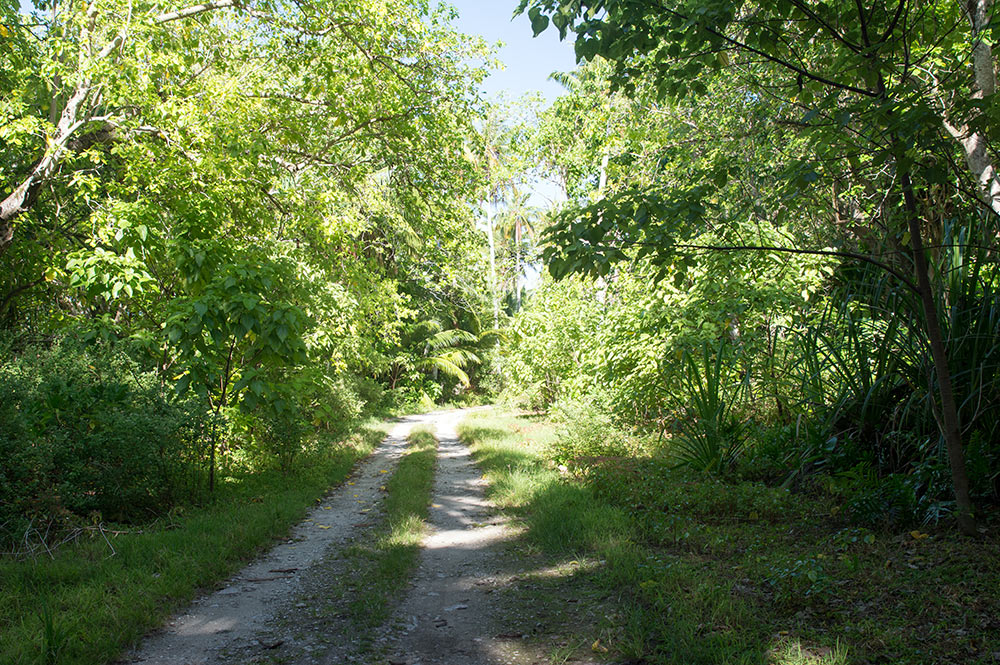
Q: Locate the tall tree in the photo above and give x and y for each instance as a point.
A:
(869, 86)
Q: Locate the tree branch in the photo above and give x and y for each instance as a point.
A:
(776, 60)
(194, 10)
(814, 252)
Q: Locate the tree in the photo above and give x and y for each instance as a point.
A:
(873, 87)
(517, 227)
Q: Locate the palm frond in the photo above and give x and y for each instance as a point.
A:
(450, 338)
(445, 366)
(460, 357)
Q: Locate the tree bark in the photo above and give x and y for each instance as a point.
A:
(25, 193)
(493, 263)
(975, 145)
(949, 410)
(518, 267)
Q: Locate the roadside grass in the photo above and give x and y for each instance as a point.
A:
(686, 569)
(97, 596)
(381, 564)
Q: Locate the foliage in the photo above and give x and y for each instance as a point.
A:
(711, 435)
(587, 433)
(904, 158)
(86, 435)
(216, 188)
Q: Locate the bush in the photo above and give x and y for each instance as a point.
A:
(333, 404)
(84, 432)
(587, 431)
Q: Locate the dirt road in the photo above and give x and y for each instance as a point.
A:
(267, 612)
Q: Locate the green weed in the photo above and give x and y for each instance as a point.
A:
(690, 569)
(97, 604)
(381, 564)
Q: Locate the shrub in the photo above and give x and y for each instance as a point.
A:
(85, 431)
(587, 431)
(711, 435)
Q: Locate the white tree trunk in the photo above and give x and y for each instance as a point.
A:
(975, 145)
(517, 269)
(490, 237)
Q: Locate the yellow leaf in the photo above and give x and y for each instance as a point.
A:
(919, 536)
(322, 526)
(597, 646)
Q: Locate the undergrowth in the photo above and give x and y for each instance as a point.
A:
(704, 571)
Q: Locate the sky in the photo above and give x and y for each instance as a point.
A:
(528, 61)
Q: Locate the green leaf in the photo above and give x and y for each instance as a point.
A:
(539, 21)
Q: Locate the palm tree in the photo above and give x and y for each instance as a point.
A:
(430, 347)
(516, 225)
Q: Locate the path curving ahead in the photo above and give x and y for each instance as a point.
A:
(447, 616)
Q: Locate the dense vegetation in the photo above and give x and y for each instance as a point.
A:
(225, 228)
(634, 562)
(779, 253)
(231, 231)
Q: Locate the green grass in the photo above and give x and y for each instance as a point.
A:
(382, 562)
(88, 602)
(685, 569)
(393, 554)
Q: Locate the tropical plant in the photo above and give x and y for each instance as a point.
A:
(712, 432)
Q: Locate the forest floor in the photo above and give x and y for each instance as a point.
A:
(657, 565)
(330, 594)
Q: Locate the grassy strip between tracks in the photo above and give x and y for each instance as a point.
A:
(381, 564)
(93, 598)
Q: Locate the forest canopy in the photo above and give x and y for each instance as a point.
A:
(257, 222)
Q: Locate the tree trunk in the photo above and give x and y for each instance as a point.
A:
(24, 194)
(493, 265)
(517, 268)
(975, 145)
(949, 410)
